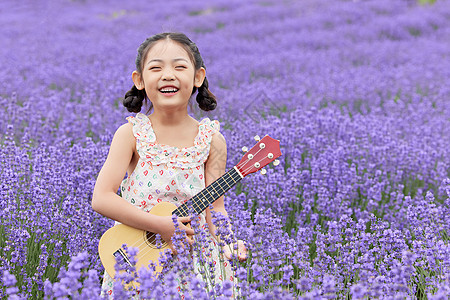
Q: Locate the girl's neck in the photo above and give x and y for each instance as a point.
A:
(170, 118)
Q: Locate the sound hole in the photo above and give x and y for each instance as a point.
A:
(153, 242)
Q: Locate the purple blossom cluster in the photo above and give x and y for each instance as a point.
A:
(356, 91)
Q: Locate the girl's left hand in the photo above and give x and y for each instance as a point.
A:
(229, 250)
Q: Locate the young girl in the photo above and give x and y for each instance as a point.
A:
(167, 155)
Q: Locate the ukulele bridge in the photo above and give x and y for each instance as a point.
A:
(121, 257)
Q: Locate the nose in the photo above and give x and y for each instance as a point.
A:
(168, 75)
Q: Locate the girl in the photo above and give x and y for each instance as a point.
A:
(167, 155)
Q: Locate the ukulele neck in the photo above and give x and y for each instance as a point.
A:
(210, 194)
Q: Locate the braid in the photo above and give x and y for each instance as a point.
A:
(205, 99)
(133, 99)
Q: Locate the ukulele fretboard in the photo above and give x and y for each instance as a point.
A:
(210, 194)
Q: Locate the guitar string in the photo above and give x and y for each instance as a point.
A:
(230, 175)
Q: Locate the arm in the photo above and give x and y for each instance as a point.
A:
(215, 168)
(105, 200)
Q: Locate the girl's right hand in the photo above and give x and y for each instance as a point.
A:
(166, 229)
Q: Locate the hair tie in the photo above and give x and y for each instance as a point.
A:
(134, 99)
(205, 99)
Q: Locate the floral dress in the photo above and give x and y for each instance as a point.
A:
(167, 173)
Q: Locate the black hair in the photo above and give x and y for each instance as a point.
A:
(134, 98)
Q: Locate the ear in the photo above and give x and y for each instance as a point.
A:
(200, 75)
(137, 79)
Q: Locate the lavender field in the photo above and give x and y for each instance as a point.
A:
(357, 92)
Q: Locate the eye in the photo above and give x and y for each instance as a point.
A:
(180, 67)
(154, 68)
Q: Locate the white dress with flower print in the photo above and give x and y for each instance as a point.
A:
(171, 174)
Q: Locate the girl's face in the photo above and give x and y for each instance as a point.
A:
(168, 76)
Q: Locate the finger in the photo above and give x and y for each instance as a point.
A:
(184, 219)
(174, 252)
(242, 254)
(189, 230)
(190, 240)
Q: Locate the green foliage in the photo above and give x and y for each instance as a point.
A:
(423, 2)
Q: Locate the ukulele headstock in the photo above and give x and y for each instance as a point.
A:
(265, 151)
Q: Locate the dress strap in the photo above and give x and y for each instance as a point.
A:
(142, 129)
(206, 130)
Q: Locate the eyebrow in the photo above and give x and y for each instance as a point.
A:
(173, 60)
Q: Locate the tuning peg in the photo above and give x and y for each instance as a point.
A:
(263, 171)
(257, 138)
(276, 162)
(244, 149)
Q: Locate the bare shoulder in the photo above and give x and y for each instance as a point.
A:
(218, 144)
(124, 135)
(125, 131)
(217, 159)
(123, 144)
(119, 157)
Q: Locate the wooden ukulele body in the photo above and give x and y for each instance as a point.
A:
(111, 243)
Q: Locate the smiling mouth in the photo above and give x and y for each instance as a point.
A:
(168, 90)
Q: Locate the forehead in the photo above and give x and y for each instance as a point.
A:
(167, 50)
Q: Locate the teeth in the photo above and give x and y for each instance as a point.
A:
(169, 90)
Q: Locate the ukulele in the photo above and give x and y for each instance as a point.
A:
(110, 247)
